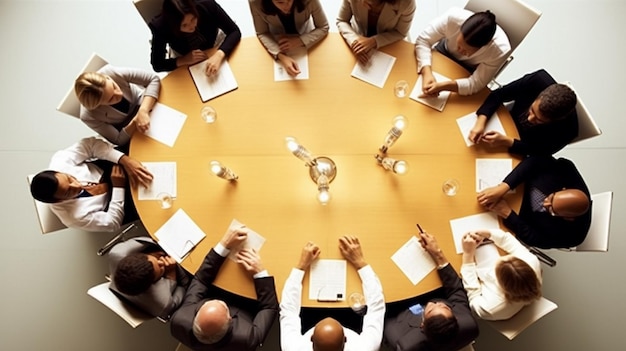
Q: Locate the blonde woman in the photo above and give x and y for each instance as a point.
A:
(514, 281)
(116, 101)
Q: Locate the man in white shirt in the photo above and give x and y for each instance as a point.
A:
(78, 193)
(471, 39)
(329, 334)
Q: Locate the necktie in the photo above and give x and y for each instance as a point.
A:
(94, 189)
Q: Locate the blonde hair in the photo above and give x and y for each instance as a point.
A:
(518, 280)
(88, 88)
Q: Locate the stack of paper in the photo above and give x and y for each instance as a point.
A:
(413, 260)
(179, 235)
(210, 87)
(460, 226)
(491, 171)
(437, 102)
(376, 70)
(253, 241)
(165, 124)
(163, 181)
(327, 280)
(301, 57)
(466, 123)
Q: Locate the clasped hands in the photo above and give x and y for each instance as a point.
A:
(363, 48)
(492, 199)
(249, 258)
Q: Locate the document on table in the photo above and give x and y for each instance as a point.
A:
(301, 57)
(165, 124)
(485, 258)
(163, 181)
(327, 280)
(253, 241)
(491, 171)
(460, 226)
(437, 102)
(376, 70)
(179, 235)
(466, 123)
(413, 260)
(210, 87)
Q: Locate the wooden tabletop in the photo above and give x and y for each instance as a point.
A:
(335, 115)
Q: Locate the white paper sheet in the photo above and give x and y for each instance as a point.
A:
(179, 235)
(218, 84)
(491, 171)
(253, 241)
(163, 181)
(165, 124)
(466, 123)
(460, 226)
(436, 102)
(327, 280)
(376, 70)
(413, 260)
(301, 57)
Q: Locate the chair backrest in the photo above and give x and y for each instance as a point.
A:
(528, 315)
(514, 17)
(48, 221)
(182, 347)
(133, 316)
(70, 104)
(587, 127)
(598, 236)
(148, 9)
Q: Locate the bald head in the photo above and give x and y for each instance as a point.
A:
(211, 322)
(328, 336)
(570, 203)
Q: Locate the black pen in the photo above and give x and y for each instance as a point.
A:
(420, 228)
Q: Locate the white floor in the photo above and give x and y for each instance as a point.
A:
(45, 278)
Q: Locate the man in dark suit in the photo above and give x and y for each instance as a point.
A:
(443, 324)
(205, 322)
(556, 207)
(544, 113)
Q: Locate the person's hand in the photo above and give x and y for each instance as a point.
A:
(429, 82)
(287, 43)
(136, 171)
(429, 243)
(350, 248)
(501, 208)
(363, 58)
(310, 253)
(470, 243)
(234, 237)
(214, 62)
(363, 45)
(491, 195)
(250, 260)
(118, 178)
(169, 266)
(290, 64)
(142, 120)
(476, 133)
(496, 139)
(194, 56)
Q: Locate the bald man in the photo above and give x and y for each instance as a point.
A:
(206, 322)
(328, 334)
(556, 207)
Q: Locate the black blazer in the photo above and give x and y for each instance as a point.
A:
(541, 139)
(540, 229)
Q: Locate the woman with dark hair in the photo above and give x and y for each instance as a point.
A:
(282, 25)
(505, 285)
(473, 40)
(190, 27)
(370, 24)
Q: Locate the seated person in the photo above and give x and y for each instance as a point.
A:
(147, 277)
(371, 24)
(444, 323)
(189, 27)
(544, 113)
(556, 207)
(471, 39)
(328, 334)
(77, 188)
(510, 283)
(114, 102)
(282, 25)
(208, 321)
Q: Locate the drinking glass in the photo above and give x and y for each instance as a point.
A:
(401, 89)
(208, 114)
(450, 187)
(166, 200)
(357, 302)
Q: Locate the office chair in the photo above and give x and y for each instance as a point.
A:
(70, 104)
(148, 9)
(182, 347)
(133, 316)
(587, 127)
(528, 315)
(598, 236)
(48, 221)
(515, 17)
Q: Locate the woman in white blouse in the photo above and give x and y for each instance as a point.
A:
(500, 288)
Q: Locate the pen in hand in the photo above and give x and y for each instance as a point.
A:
(420, 228)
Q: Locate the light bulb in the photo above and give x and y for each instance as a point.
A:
(399, 124)
(222, 171)
(323, 185)
(323, 197)
(299, 151)
(396, 166)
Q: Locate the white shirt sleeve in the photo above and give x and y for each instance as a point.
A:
(290, 324)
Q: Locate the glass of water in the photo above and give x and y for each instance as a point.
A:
(450, 187)
(165, 199)
(357, 302)
(208, 114)
(401, 89)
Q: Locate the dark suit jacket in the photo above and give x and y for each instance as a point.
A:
(540, 139)
(248, 328)
(403, 333)
(211, 18)
(540, 229)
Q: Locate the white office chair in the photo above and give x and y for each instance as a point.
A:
(587, 127)
(133, 316)
(48, 221)
(598, 236)
(515, 17)
(513, 326)
(148, 9)
(70, 104)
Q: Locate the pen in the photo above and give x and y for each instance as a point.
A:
(420, 228)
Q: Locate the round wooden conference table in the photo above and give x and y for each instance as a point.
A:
(335, 115)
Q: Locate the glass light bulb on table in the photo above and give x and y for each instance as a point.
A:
(222, 171)
(400, 123)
